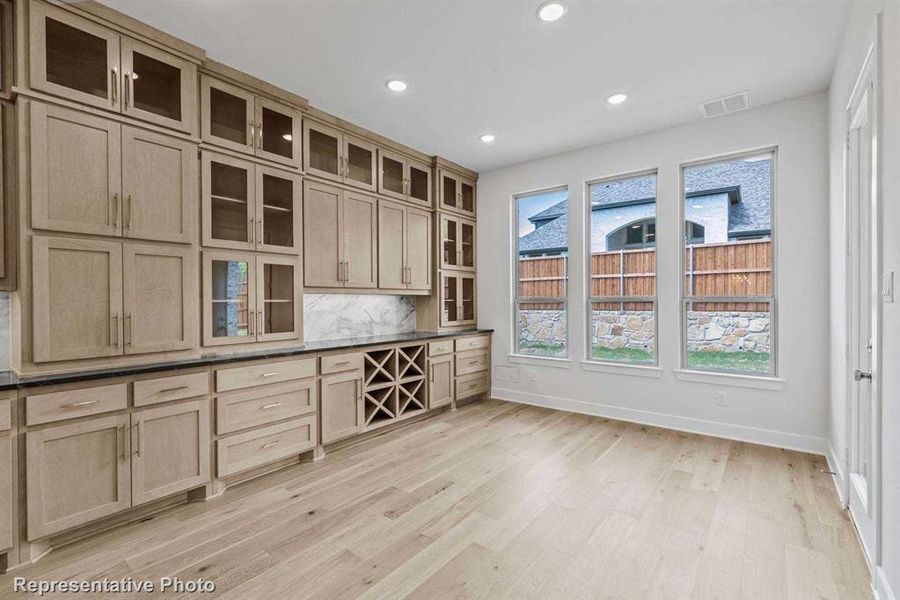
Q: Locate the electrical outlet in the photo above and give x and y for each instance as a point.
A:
(721, 399)
(532, 376)
(887, 288)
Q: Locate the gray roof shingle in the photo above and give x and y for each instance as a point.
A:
(552, 236)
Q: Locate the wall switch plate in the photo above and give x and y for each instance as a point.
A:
(887, 287)
(721, 399)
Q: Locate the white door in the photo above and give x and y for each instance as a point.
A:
(863, 411)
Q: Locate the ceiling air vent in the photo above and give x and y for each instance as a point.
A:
(725, 105)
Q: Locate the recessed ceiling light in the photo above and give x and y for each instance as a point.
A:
(551, 11)
(288, 137)
(397, 85)
(487, 138)
(617, 98)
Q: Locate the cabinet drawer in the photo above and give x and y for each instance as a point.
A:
(471, 385)
(439, 348)
(342, 362)
(58, 406)
(164, 389)
(251, 408)
(255, 448)
(472, 362)
(244, 377)
(472, 343)
(5, 414)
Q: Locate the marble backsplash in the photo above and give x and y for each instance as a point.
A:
(340, 316)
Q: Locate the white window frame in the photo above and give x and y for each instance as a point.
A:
(516, 300)
(590, 300)
(684, 300)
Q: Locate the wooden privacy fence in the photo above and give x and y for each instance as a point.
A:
(724, 269)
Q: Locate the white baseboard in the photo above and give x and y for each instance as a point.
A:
(836, 465)
(741, 433)
(881, 587)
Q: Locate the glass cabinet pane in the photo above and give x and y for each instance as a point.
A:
(278, 298)
(467, 198)
(359, 164)
(392, 175)
(230, 299)
(449, 233)
(229, 203)
(278, 211)
(451, 298)
(228, 116)
(156, 86)
(418, 183)
(76, 59)
(448, 191)
(277, 133)
(467, 244)
(323, 152)
(468, 298)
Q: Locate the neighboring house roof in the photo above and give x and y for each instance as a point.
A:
(749, 212)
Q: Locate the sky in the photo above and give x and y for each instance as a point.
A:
(532, 204)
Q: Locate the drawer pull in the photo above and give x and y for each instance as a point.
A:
(83, 403)
(273, 374)
(475, 361)
(270, 444)
(174, 389)
(342, 363)
(268, 406)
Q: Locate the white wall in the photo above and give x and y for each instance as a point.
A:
(858, 36)
(794, 415)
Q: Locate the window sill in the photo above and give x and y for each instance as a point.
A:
(622, 369)
(730, 379)
(543, 361)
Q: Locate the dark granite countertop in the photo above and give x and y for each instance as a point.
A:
(9, 380)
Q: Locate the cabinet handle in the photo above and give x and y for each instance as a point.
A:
(251, 321)
(341, 172)
(259, 226)
(137, 445)
(83, 403)
(270, 444)
(177, 388)
(252, 231)
(259, 322)
(474, 362)
(268, 406)
(114, 88)
(130, 211)
(341, 364)
(115, 330)
(272, 374)
(127, 77)
(259, 134)
(252, 136)
(116, 210)
(127, 328)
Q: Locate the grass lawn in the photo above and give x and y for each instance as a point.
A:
(622, 354)
(752, 362)
(542, 349)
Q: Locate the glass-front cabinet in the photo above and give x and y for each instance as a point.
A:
(457, 242)
(456, 193)
(80, 60)
(457, 299)
(249, 298)
(404, 179)
(249, 206)
(237, 119)
(337, 156)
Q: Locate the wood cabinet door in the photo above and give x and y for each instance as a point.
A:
(6, 497)
(467, 299)
(440, 381)
(169, 450)
(359, 225)
(278, 132)
(159, 185)
(278, 211)
(449, 297)
(322, 151)
(467, 254)
(77, 304)
(342, 406)
(322, 252)
(76, 171)
(228, 189)
(76, 474)
(73, 57)
(466, 201)
(418, 184)
(449, 241)
(418, 249)
(229, 298)
(226, 115)
(448, 191)
(158, 87)
(159, 298)
(392, 271)
(279, 312)
(360, 163)
(392, 172)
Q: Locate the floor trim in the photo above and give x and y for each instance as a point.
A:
(836, 465)
(764, 437)
(881, 587)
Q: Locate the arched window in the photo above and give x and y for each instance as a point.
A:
(637, 234)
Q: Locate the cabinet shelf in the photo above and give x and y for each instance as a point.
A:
(277, 208)
(227, 199)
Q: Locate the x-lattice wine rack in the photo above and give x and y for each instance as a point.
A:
(394, 386)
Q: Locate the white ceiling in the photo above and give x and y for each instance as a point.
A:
(490, 65)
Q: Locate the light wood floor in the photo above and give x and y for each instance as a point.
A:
(499, 500)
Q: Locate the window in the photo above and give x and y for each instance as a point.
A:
(728, 289)
(541, 272)
(622, 284)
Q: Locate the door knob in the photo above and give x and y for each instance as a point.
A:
(860, 375)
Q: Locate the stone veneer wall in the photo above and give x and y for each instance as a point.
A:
(715, 331)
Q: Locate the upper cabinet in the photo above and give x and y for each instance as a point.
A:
(404, 243)
(457, 242)
(249, 206)
(92, 175)
(237, 119)
(404, 179)
(337, 156)
(456, 193)
(80, 60)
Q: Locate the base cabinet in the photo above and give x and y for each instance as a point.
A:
(440, 389)
(6, 498)
(342, 406)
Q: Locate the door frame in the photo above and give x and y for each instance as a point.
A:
(868, 79)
